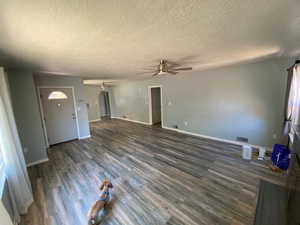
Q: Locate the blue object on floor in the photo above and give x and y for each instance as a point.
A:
(280, 156)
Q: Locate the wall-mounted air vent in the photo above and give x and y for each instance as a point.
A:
(242, 139)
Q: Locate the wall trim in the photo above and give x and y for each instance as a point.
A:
(84, 137)
(42, 110)
(90, 121)
(214, 138)
(37, 162)
(134, 121)
(198, 135)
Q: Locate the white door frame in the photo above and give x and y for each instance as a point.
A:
(42, 111)
(161, 104)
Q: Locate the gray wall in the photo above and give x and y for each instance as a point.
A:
(27, 115)
(79, 88)
(242, 100)
(92, 97)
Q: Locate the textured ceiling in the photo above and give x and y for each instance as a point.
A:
(118, 38)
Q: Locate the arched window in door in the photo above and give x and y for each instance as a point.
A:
(57, 95)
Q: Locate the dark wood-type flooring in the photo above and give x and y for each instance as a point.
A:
(160, 177)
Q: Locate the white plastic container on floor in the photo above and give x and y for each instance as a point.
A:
(247, 152)
(262, 153)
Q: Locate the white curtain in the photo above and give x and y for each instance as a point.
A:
(294, 98)
(5, 219)
(11, 151)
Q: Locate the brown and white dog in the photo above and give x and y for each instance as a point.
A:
(99, 204)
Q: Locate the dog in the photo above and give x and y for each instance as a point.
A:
(100, 204)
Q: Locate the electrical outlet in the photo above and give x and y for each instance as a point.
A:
(169, 103)
(185, 123)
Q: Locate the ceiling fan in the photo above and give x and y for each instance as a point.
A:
(168, 67)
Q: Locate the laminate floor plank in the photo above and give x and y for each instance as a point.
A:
(160, 177)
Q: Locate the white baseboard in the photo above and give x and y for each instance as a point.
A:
(91, 121)
(213, 138)
(37, 162)
(84, 137)
(198, 135)
(135, 121)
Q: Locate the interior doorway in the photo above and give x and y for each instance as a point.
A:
(58, 108)
(155, 105)
(105, 104)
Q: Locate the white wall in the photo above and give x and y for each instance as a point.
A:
(243, 100)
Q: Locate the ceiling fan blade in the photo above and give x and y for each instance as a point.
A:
(183, 68)
(188, 59)
(171, 72)
(153, 70)
(155, 74)
(172, 64)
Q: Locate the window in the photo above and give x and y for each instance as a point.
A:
(1, 162)
(292, 117)
(293, 108)
(57, 95)
(2, 174)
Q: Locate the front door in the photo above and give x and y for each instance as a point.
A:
(59, 114)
